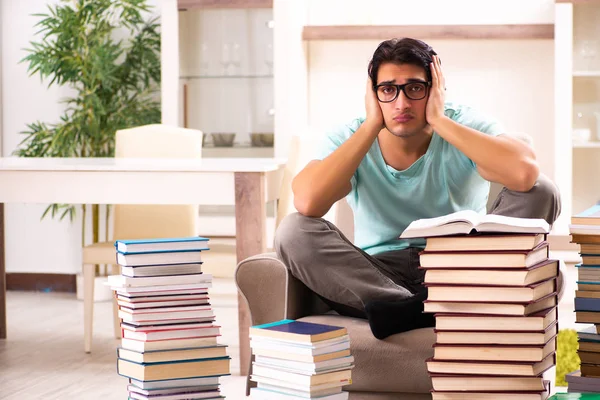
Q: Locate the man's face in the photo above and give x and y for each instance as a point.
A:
(403, 117)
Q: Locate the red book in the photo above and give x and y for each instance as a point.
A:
(484, 259)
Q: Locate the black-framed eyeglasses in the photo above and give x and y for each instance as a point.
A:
(388, 92)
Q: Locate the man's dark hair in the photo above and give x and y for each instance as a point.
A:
(401, 51)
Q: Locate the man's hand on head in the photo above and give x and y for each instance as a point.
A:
(374, 114)
(437, 94)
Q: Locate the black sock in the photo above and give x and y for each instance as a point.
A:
(389, 317)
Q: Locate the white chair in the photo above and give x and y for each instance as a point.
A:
(141, 221)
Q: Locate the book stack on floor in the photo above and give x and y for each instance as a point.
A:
(300, 360)
(585, 231)
(493, 292)
(169, 348)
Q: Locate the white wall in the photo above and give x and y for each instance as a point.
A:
(50, 246)
(428, 12)
(31, 246)
(169, 58)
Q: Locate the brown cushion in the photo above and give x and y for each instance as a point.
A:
(395, 364)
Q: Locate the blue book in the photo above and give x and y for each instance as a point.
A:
(586, 266)
(297, 331)
(194, 243)
(587, 304)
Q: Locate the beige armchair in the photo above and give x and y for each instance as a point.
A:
(141, 221)
(388, 369)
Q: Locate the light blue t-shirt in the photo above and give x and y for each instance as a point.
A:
(442, 181)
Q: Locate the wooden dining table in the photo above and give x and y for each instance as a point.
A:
(247, 183)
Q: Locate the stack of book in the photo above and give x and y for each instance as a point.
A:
(300, 360)
(585, 231)
(493, 292)
(582, 384)
(169, 347)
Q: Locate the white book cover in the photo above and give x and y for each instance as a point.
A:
(175, 383)
(159, 258)
(300, 349)
(313, 345)
(165, 315)
(171, 390)
(304, 367)
(120, 281)
(274, 394)
(337, 384)
(162, 270)
(162, 289)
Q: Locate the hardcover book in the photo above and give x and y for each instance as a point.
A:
(485, 259)
(300, 331)
(498, 277)
(485, 241)
(161, 244)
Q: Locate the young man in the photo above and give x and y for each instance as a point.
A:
(414, 156)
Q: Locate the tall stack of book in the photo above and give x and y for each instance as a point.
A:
(493, 293)
(300, 360)
(169, 348)
(585, 231)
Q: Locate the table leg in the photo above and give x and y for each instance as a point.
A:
(250, 226)
(2, 277)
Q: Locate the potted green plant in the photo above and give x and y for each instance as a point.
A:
(108, 52)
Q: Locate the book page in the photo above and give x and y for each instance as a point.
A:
(468, 216)
(458, 222)
(488, 222)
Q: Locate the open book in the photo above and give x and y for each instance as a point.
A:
(464, 222)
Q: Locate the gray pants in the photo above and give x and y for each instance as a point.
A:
(346, 277)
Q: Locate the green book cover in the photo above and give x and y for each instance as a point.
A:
(572, 396)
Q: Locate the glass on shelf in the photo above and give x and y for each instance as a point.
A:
(204, 59)
(588, 51)
(231, 58)
(269, 57)
(236, 57)
(225, 58)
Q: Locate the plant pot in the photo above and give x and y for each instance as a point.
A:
(101, 291)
